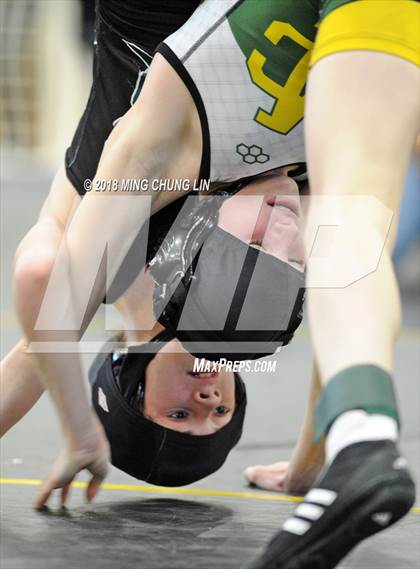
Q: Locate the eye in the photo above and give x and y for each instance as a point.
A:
(179, 415)
(221, 410)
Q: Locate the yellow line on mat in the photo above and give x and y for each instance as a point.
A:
(182, 491)
(163, 490)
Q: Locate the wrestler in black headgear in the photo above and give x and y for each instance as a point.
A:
(139, 446)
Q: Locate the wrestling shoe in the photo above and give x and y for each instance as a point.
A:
(366, 489)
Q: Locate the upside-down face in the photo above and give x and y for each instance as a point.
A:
(181, 399)
(267, 213)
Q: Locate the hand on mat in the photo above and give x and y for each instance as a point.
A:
(92, 456)
(271, 477)
(284, 476)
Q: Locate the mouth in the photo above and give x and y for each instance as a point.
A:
(291, 203)
(202, 374)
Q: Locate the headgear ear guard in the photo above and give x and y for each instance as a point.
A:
(143, 448)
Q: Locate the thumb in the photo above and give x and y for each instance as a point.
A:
(99, 470)
(93, 488)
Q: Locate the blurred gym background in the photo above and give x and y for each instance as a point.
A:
(45, 74)
(46, 59)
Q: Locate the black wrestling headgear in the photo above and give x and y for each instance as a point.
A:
(219, 296)
(143, 448)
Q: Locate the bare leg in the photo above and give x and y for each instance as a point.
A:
(362, 120)
(380, 122)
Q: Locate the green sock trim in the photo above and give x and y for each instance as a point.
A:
(366, 387)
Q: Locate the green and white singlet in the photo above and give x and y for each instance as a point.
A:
(245, 63)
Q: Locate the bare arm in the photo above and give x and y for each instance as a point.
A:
(157, 138)
(297, 475)
(307, 459)
(20, 388)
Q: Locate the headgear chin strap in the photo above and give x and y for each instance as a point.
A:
(145, 449)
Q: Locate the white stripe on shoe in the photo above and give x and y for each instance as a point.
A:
(321, 496)
(309, 511)
(296, 526)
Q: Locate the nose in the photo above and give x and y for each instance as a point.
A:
(208, 395)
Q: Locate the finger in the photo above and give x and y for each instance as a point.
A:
(93, 487)
(99, 470)
(64, 494)
(43, 495)
(249, 473)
